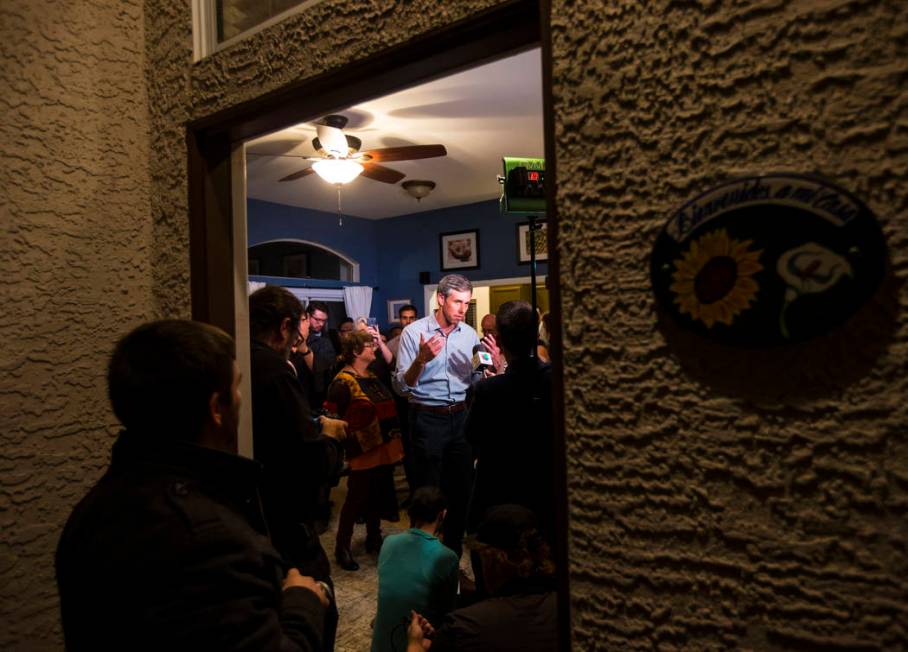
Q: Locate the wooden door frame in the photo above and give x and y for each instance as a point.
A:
(507, 28)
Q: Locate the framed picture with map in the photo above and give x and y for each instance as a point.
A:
(523, 242)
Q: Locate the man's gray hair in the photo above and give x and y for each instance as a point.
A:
(454, 283)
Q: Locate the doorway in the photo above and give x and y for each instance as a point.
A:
(217, 149)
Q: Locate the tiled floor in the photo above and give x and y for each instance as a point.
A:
(357, 591)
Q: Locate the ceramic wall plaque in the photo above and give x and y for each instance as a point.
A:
(767, 260)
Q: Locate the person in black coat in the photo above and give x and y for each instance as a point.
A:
(299, 453)
(170, 550)
(509, 425)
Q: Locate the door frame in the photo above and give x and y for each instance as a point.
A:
(213, 142)
(429, 290)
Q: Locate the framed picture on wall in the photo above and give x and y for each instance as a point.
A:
(459, 250)
(523, 242)
(393, 306)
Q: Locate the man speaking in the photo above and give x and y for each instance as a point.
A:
(435, 368)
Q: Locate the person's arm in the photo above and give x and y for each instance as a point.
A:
(491, 345)
(385, 351)
(426, 352)
(406, 354)
(227, 600)
(307, 354)
(418, 632)
(338, 397)
(409, 365)
(319, 457)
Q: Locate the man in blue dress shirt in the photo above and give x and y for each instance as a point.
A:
(435, 368)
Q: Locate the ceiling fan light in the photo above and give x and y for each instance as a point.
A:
(337, 170)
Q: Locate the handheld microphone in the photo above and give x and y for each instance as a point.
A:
(482, 359)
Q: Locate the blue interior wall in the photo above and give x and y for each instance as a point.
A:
(410, 244)
(392, 252)
(355, 239)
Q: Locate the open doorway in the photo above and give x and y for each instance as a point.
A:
(396, 218)
(400, 272)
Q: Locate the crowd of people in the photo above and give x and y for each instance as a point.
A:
(184, 545)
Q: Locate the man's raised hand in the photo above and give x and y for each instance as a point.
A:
(429, 349)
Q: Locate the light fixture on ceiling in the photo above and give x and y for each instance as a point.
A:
(337, 171)
(418, 188)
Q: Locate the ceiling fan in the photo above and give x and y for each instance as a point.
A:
(340, 160)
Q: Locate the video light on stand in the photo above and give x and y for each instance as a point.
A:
(523, 193)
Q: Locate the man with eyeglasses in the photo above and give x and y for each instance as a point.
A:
(321, 360)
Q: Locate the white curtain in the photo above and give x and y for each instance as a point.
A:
(254, 285)
(358, 301)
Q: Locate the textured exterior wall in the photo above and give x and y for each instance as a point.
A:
(323, 38)
(713, 507)
(707, 513)
(75, 264)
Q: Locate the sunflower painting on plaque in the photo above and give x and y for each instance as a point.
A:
(767, 260)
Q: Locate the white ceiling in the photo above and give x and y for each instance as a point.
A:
(480, 115)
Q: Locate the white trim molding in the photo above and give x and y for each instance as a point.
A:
(354, 271)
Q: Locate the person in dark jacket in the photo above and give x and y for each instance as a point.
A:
(299, 453)
(521, 614)
(170, 550)
(509, 426)
(324, 350)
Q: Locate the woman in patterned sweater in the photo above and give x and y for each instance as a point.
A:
(372, 448)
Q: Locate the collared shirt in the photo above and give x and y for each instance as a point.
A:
(445, 379)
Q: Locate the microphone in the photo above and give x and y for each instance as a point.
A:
(482, 359)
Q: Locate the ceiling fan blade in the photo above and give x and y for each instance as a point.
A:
(296, 175)
(407, 152)
(381, 173)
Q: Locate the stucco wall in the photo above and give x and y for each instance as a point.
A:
(75, 263)
(704, 515)
(714, 506)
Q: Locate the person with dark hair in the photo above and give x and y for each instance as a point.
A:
(435, 369)
(372, 445)
(415, 571)
(301, 355)
(346, 326)
(299, 454)
(406, 315)
(324, 352)
(169, 550)
(509, 425)
(519, 576)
